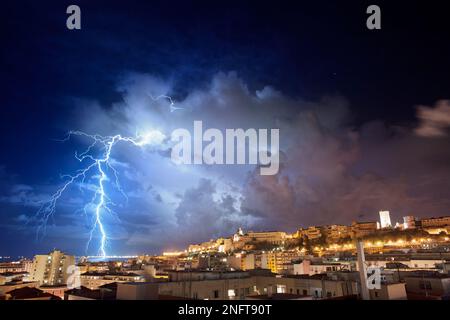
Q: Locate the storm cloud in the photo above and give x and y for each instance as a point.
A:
(331, 171)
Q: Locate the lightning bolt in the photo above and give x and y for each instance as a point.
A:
(172, 104)
(97, 162)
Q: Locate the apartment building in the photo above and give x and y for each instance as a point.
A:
(51, 269)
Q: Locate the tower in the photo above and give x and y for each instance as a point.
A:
(385, 219)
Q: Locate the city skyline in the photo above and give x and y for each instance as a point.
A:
(350, 237)
(362, 117)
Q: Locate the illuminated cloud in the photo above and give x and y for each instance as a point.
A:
(330, 171)
(434, 122)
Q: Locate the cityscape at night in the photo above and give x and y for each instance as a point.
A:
(225, 155)
(317, 262)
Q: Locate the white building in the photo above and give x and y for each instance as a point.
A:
(385, 219)
(409, 222)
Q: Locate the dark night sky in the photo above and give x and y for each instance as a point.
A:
(306, 51)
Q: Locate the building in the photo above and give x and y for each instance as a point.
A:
(55, 290)
(220, 245)
(16, 285)
(362, 229)
(137, 291)
(385, 220)
(405, 263)
(336, 232)
(94, 280)
(309, 267)
(438, 230)
(428, 285)
(52, 268)
(16, 266)
(302, 267)
(9, 277)
(203, 247)
(30, 293)
(279, 261)
(241, 261)
(237, 236)
(409, 222)
(311, 233)
(389, 291)
(436, 222)
(272, 237)
(245, 285)
(225, 245)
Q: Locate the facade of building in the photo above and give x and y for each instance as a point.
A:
(307, 267)
(16, 285)
(312, 232)
(16, 266)
(436, 222)
(137, 291)
(94, 280)
(243, 285)
(278, 261)
(385, 219)
(336, 232)
(51, 269)
(389, 291)
(29, 293)
(409, 222)
(242, 261)
(428, 285)
(272, 237)
(361, 229)
(55, 290)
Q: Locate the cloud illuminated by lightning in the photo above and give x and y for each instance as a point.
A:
(97, 162)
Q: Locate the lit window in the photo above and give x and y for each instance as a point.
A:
(231, 293)
(281, 289)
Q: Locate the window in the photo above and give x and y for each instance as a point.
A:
(281, 288)
(376, 294)
(232, 293)
(216, 294)
(305, 292)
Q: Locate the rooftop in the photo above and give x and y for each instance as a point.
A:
(30, 293)
(279, 296)
(119, 274)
